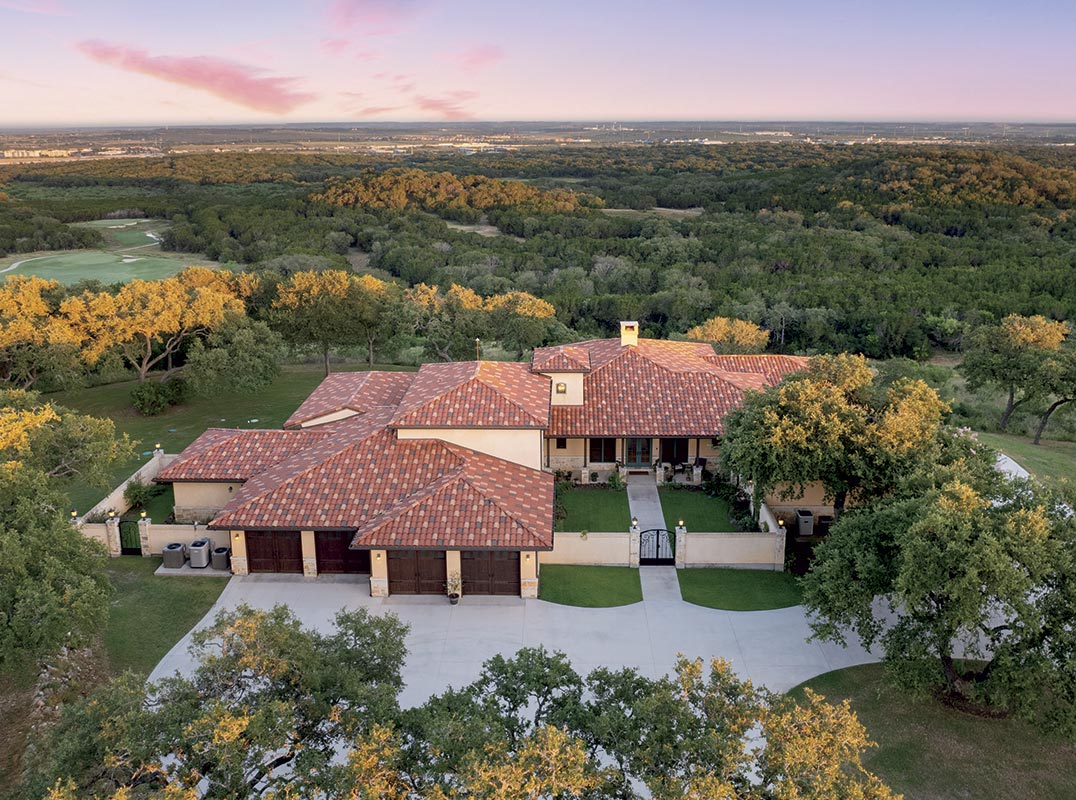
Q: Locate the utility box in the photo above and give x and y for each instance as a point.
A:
(805, 517)
(825, 522)
(220, 558)
(200, 554)
(174, 555)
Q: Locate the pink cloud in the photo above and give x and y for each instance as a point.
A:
(371, 111)
(478, 58)
(333, 47)
(227, 80)
(50, 8)
(375, 16)
(449, 107)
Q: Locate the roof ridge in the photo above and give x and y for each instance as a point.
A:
(511, 400)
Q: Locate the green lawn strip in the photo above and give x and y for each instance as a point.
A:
(738, 589)
(150, 614)
(179, 426)
(700, 512)
(1050, 461)
(929, 751)
(590, 587)
(594, 509)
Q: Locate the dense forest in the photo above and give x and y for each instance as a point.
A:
(879, 249)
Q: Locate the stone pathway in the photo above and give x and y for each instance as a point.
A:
(644, 502)
(660, 584)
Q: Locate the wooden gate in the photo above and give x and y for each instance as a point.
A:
(657, 546)
(334, 553)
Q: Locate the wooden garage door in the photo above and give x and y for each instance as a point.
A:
(336, 556)
(490, 572)
(416, 571)
(274, 551)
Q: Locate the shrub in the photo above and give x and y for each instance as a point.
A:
(137, 493)
(151, 398)
(616, 482)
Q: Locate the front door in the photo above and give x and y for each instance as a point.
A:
(637, 452)
(674, 451)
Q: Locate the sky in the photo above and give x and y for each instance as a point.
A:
(108, 62)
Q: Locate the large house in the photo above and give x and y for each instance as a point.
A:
(420, 477)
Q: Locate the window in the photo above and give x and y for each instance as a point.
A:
(603, 451)
(562, 388)
(562, 444)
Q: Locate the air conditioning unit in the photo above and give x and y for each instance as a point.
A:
(200, 552)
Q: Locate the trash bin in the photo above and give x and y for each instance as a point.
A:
(220, 558)
(174, 557)
(825, 522)
(806, 524)
(199, 551)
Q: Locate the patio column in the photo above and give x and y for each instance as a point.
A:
(239, 553)
(528, 575)
(310, 554)
(379, 574)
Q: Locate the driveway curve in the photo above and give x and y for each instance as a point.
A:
(447, 644)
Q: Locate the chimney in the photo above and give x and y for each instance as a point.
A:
(629, 334)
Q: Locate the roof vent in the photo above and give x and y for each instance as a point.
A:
(629, 334)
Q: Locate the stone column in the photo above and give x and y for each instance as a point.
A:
(112, 534)
(633, 546)
(528, 575)
(779, 549)
(379, 574)
(310, 556)
(143, 536)
(681, 546)
(239, 553)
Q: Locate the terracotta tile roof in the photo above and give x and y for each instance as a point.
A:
(411, 493)
(772, 367)
(475, 394)
(565, 358)
(222, 454)
(660, 388)
(357, 391)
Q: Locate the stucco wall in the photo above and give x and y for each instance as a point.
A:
(333, 417)
(750, 550)
(519, 446)
(598, 548)
(200, 501)
(96, 531)
(114, 501)
(160, 535)
(573, 383)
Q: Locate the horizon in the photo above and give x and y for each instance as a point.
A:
(427, 61)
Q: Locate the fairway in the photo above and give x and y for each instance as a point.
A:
(131, 251)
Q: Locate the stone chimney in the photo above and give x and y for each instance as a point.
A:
(629, 334)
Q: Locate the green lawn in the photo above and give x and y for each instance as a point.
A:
(931, 752)
(738, 589)
(1049, 462)
(698, 510)
(594, 509)
(150, 614)
(71, 266)
(179, 426)
(590, 587)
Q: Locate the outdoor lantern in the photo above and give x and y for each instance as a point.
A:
(74, 514)
(635, 522)
(781, 522)
(157, 446)
(143, 515)
(680, 523)
(111, 514)
(562, 388)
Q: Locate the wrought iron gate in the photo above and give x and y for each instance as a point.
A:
(130, 541)
(657, 546)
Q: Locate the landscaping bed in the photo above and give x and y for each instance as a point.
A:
(738, 589)
(590, 587)
(930, 751)
(591, 508)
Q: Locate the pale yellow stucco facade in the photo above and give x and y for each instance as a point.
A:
(199, 502)
(518, 445)
(571, 382)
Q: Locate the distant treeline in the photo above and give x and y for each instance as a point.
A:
(881, 249)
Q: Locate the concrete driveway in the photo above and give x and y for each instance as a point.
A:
(447, 644)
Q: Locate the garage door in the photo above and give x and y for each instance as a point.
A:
(336, 556)
(416, 571)
(274, 551)
(490, 572)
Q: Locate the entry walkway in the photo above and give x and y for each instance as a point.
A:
(446, 645)
(660, 584)
(644, 502)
